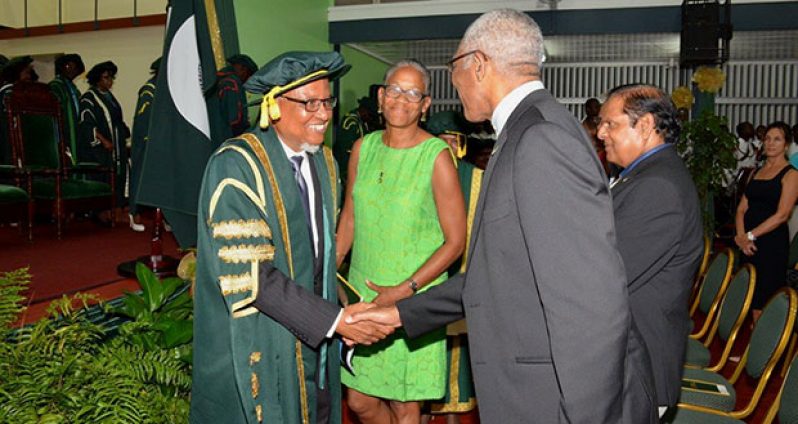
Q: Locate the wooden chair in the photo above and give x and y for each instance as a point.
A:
(16, 205)
(37, 140)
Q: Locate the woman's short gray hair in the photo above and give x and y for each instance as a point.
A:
(418, 66)
(509, 37)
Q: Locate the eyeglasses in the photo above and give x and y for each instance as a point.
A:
(412, 95)
(313, 105)
(452, 61)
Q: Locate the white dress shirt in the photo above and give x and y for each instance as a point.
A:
(305, 170)
(511, 101)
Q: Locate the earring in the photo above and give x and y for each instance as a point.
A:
(379, 109)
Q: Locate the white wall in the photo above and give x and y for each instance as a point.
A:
(131, 49)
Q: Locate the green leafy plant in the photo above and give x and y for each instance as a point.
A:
(708, 149)
(65, 369)
(12, 284)
(161, 314)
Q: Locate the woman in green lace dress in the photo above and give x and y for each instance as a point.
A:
(404, 219)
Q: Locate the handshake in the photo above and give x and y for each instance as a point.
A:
(366, 323)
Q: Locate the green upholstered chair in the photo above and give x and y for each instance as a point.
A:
(785, 406)
(768, 342)
(791, 351)
(732, 313)
(37, 137)
(16, 206)
(713, 285)
(702, 268)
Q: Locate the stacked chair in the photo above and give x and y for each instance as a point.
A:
(702, 268)
(707, 397)
(731, 315)
(785, 407)
(38, 150)
(712, 286)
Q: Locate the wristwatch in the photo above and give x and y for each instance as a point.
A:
(750, 236)
(413, 285)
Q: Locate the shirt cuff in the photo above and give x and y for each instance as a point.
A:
(331, 331)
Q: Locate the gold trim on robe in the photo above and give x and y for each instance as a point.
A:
(331, 170)
(454, 404)
(241, 229)
(246, 253)
(234, 284)
(254, 358)
(255, 385)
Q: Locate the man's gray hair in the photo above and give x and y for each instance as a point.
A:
(508, 37)
(418, 66)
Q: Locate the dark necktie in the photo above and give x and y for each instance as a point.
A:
(296, 163)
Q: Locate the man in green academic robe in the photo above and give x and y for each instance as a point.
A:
(265, 302)
(67, 68)
(231, 93)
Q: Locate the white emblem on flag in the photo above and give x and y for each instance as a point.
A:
(183, 77)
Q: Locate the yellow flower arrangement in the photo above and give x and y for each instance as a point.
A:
(682, 97)
(709, 79)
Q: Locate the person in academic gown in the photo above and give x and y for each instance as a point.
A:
(265, 302)
(138, 141)
(102, 132)
(231, 93)
(67, 68)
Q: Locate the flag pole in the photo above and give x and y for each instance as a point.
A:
(160, 264)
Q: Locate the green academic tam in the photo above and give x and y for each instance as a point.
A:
(289, 71)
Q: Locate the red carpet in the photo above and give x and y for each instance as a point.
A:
(85, 258)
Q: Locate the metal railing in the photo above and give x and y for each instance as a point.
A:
(759, 92)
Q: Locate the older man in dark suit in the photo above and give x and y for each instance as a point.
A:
(658, 220)
(544, 293)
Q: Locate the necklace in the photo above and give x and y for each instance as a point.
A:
(384, 153)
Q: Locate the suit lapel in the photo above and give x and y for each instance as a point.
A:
(521, 111)
(483, 187)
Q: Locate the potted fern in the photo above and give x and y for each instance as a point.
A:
(706, 144)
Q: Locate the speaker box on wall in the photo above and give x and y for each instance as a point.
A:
(702, 33)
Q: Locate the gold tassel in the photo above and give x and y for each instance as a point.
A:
(269, 110)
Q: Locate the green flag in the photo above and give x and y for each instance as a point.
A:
(185, 126)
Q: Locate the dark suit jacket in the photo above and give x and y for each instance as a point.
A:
(544, 294)
(658, 220)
